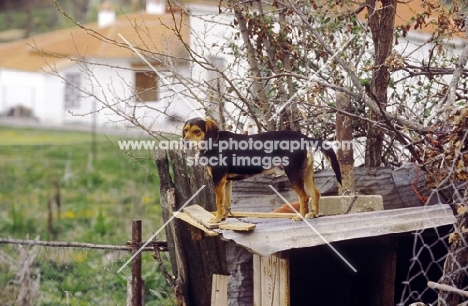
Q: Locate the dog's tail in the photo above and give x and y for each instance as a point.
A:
(331, 156)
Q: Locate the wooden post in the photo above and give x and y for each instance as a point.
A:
(271, 279)
(344, 136)
(173, 231)
(219, 290)
(137, 282)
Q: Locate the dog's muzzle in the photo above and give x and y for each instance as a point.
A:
(190, 145)
(186, 144)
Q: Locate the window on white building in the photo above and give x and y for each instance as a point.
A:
(146, 86)
(72, 90)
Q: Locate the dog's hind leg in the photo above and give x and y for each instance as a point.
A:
(311, 187)
(314, 195)
(298, 187)
(297, 180)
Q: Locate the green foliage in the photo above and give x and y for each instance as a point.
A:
(16, 218)
(289, 57)
(288, 48)
(43, 16)
(39, 20)
(100, 227)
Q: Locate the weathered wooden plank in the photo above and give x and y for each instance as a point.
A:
(283, 279)
(271, 280)
(238, 226)
(219, 291)
(200, 215)
(200, 218)
(185, 217)
(257, 279)
(252, 214)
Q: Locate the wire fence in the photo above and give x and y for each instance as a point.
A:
(438, 271)
(34, 272)
(438, 266)
(428, 254)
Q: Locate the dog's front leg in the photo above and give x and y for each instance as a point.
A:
(220, 188)
(227, 199)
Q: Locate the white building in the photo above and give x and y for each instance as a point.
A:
(83, 74)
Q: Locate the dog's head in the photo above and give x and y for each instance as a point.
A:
(198, 130)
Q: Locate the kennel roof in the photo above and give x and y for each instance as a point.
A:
(275, 235)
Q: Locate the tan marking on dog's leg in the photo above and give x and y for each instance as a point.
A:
(219, 193)
(311, 187)
(227, 199)
(313, 191)
(303, 200)
(314, 197)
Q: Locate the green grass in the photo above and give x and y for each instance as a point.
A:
(97, 204)
(30, 137)
(98, 199)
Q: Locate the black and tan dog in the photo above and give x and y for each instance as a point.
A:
(231, 156)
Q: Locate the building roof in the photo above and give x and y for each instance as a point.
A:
(410, 10)
(409, 14)
(275, 235)
(146, 31)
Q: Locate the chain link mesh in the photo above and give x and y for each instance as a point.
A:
(438, 273)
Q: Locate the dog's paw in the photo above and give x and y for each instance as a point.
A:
(311, 215)
(216, 220)
(296, 218)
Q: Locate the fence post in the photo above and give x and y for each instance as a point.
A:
(136, 282)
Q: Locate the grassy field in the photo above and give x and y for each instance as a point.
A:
(98, 200)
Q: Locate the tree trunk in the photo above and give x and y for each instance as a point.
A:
(258, 88)
(291, 112)
(381, 23)
(344, 136)
(194, 258)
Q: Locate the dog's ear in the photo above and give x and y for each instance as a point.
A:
(211, 130)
